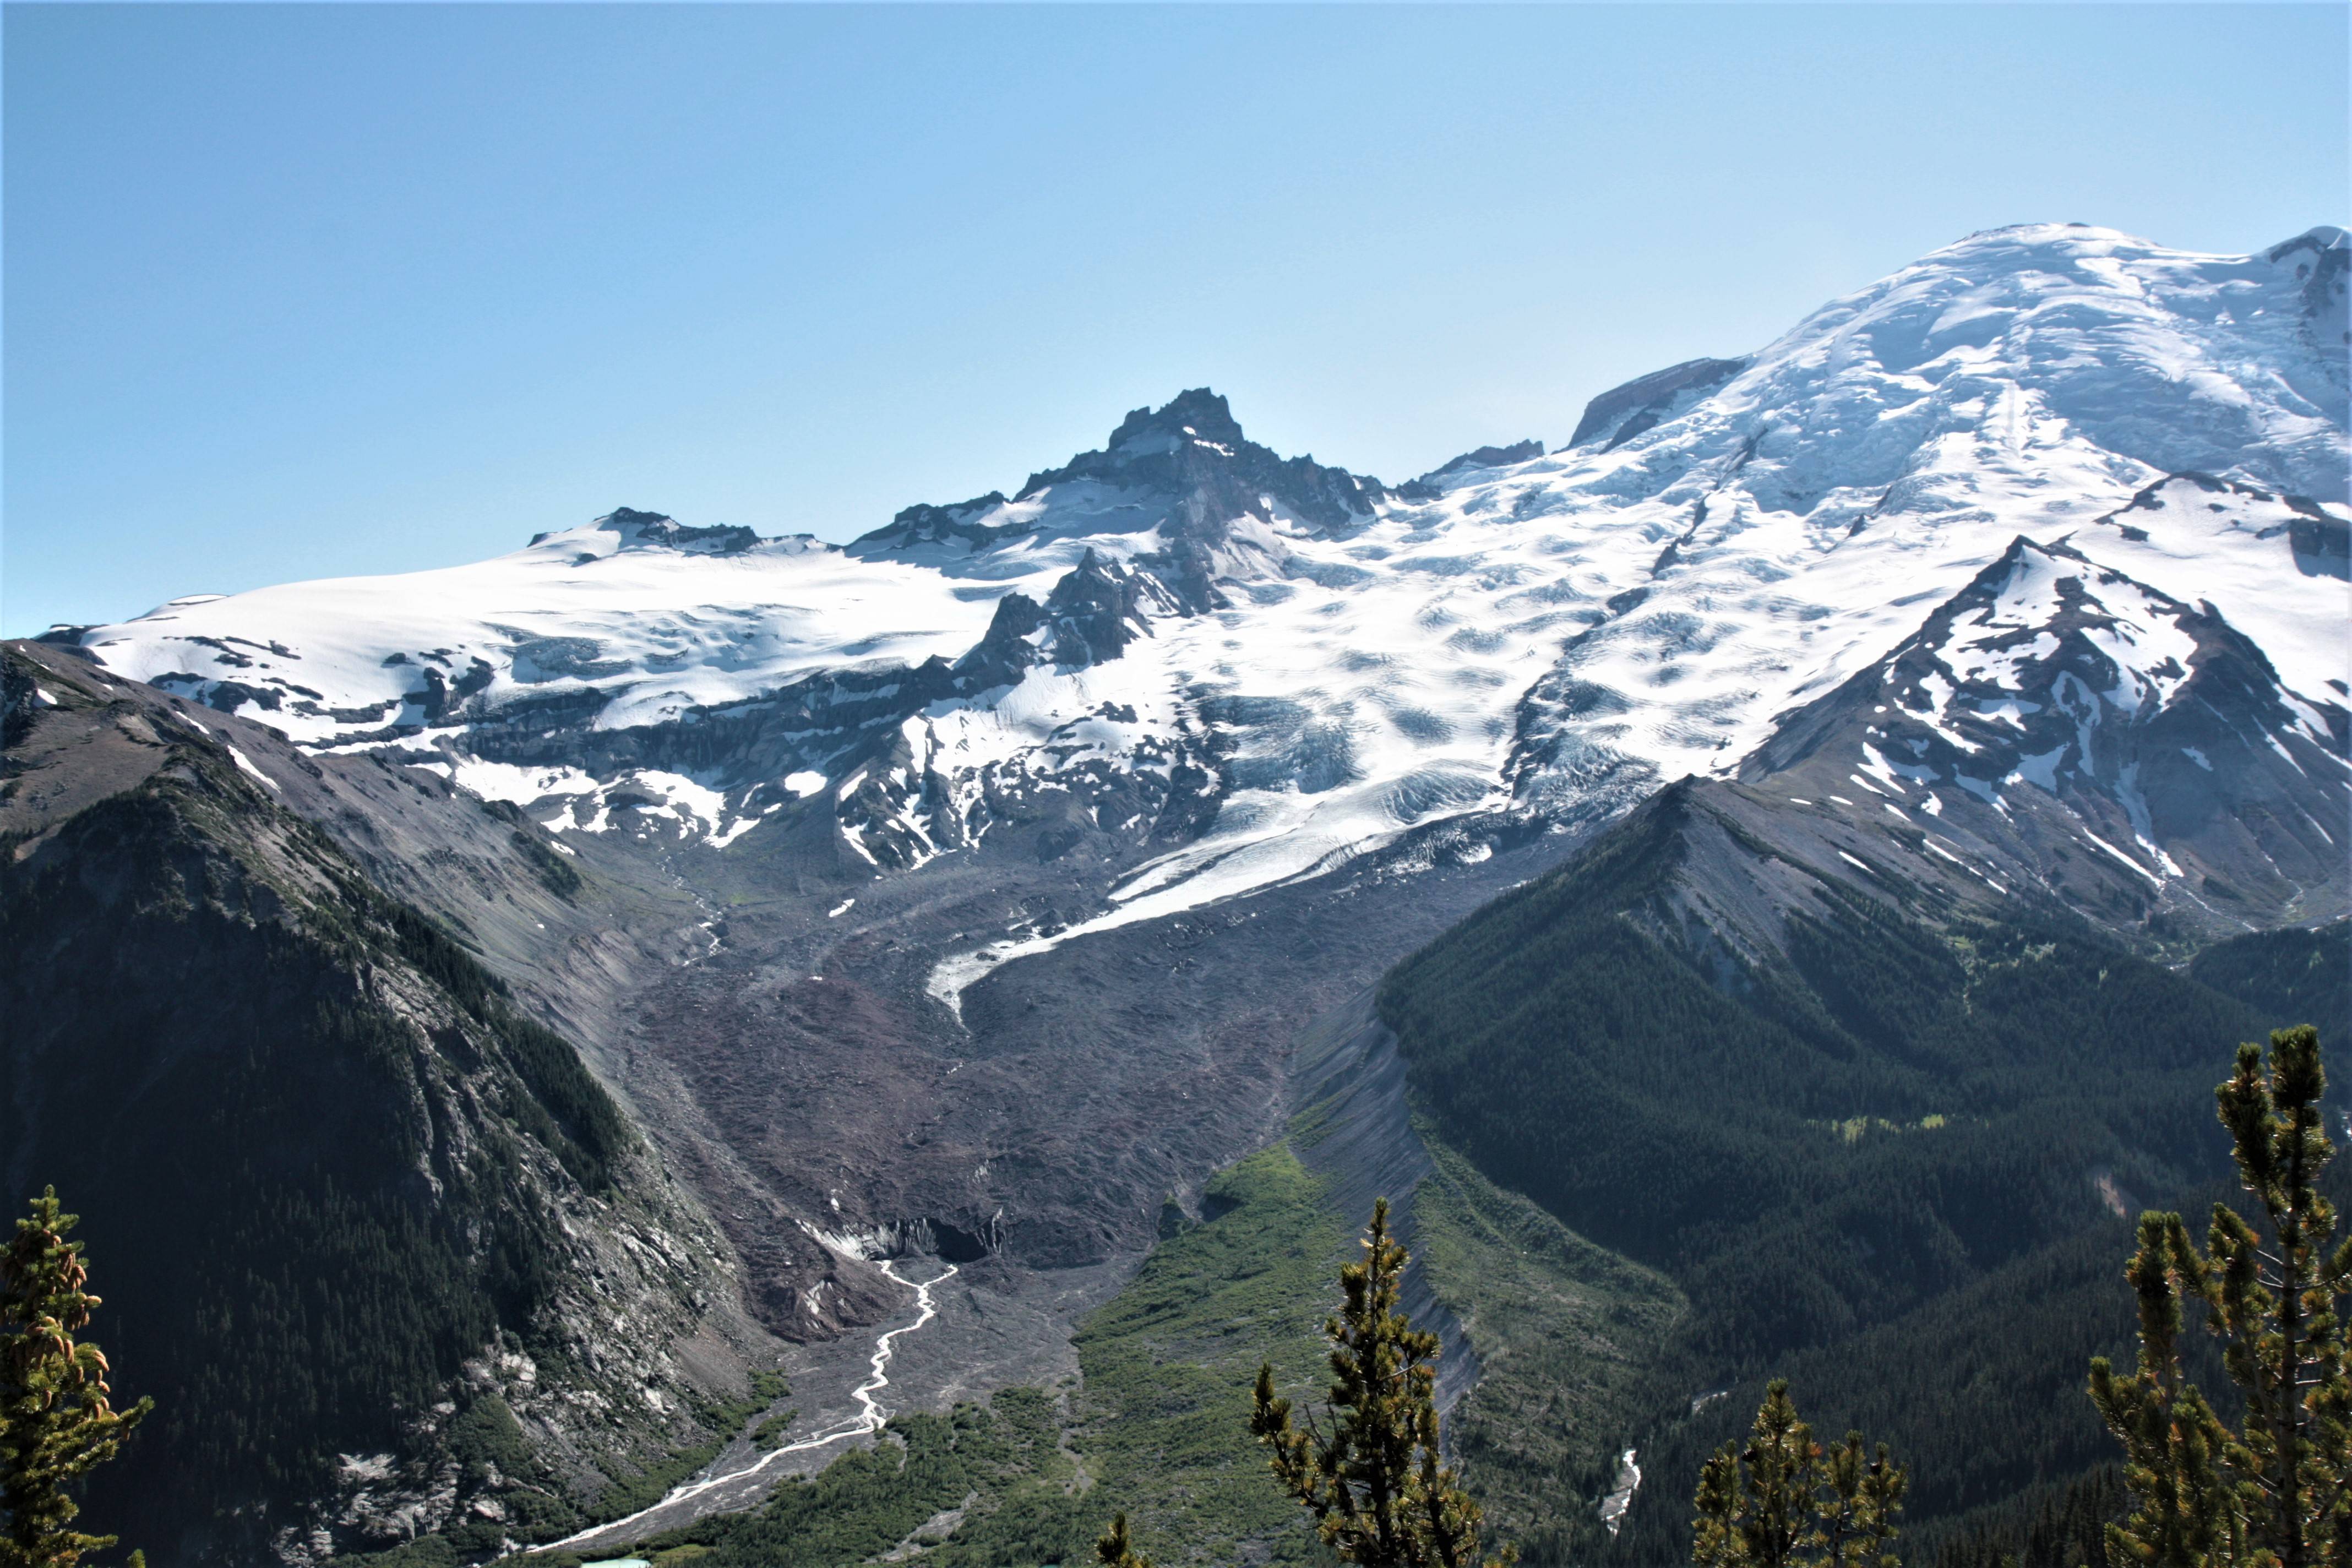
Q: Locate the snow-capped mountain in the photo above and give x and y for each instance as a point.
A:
(2058, 727)
(1203, 669)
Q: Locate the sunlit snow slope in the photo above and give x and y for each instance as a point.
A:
(1247, 667)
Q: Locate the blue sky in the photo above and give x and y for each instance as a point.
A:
(296, 291)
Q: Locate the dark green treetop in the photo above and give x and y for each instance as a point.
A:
(1785, 1501)
(2271, 1493)
(1116, 1551)
(1374, 1480)
(56, 1423)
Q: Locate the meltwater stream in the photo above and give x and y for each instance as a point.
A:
(868, 1419)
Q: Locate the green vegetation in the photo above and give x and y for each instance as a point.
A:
(1782, 1501)
(58, 1421)
(1890, 1163)
(1766, 1134)
(722, 1419)
(2275, 1491)
(1584, 1350)
(289, 1284)
(2065, 1527)
(1117, 1547)
(994, 1475)
(1168, 1364)
(550, 865)
(769, 1435)
(1565, 1333)
(486, 1437)
(1160, 1430)
(2305, 976)
(1369, 1472)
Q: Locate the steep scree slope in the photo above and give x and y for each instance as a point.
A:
(352, 1208)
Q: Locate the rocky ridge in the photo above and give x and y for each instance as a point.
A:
(261, 1030)
(953, 890)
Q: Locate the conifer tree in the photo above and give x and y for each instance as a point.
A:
(2270, 1493)
(1116, 1551)
(56, 1421)
(1373, 1481)
(1785, 1501)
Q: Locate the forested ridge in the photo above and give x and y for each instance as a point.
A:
(301, 1245)
(1892, 1162)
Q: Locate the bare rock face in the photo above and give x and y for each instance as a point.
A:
(1215, 501)
(2060, 726)
(958, 895)
(341, 1188)
(1621, 412)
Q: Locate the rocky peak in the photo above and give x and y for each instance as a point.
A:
(1193, 445)
(2046, 662)
(654, 530)
(1094, 612)
(1098, 607)
(2133, 728)
(1220, 504)
(1198, 415)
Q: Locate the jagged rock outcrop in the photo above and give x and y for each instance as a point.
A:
(350, 1201)
(1621, 412)
(1094, 612)
(1432, 484)
(1219, 502)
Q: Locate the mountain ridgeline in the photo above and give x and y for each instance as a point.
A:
(351, 1201)
(1766, 884)
(1889, 1154)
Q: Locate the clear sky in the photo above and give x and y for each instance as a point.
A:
(296, 291)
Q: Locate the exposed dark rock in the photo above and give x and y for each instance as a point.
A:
(2329, 260)
(2322, 541)
(654, 529)
(2057, 769)
(1006, 652)
(923, 523)
(1197, 480)
(1194, 444)
(1432, 485)
(1623, 411)
(1098, 608)
(17, 700)
(1090, 615)
(228, 696)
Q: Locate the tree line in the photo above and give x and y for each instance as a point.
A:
(2261, 1479)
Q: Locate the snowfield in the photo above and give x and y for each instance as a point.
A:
(1644, 604)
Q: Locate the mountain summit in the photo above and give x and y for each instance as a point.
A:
(1522, 634)
(960, 892)
(1192, 497)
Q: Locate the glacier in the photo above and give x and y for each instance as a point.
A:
(1313, 663)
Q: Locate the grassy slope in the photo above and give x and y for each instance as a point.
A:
(1158, 1429)
(1565, 1333)
(1160, 1426)
(1168, 1364)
